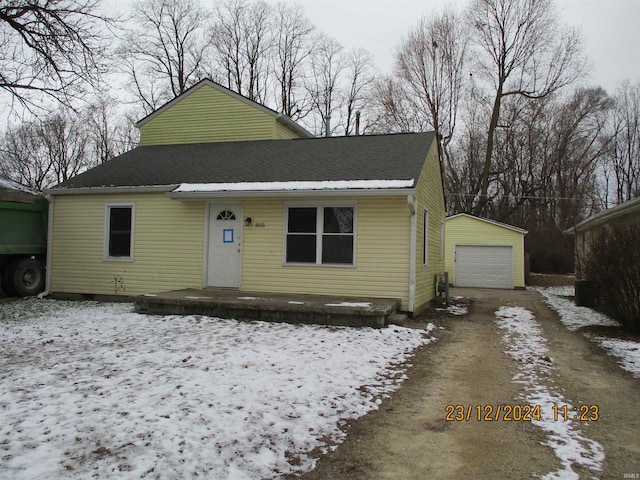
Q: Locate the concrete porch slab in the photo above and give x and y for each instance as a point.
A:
(272, 307)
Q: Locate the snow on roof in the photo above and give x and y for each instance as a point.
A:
(300, 185)
(11, 185)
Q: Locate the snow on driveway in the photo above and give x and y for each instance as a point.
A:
(96, 390)
(574, 317)
(526, 345)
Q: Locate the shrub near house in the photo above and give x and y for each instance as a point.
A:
(613, 265)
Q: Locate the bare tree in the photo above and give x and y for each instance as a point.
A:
(465, 154)
(323, 85)
(525, 53)
(429, 64)
(360, 79)
(242, 42)
(293, 45)
(109, 134)
(622, 164)
(396, 112)
(163, 54)
(51, 48)
(45, 152)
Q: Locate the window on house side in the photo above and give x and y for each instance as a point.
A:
(320, 235)
(119, 231)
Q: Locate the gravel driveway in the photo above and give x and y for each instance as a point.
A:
(471, 365)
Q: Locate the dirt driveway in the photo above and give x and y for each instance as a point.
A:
(408, 437)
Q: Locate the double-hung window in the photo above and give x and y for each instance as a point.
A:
(320, 235)
(119, 232)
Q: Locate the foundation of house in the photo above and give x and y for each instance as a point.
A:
(272, 307)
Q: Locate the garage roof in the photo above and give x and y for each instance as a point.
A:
(493, 222)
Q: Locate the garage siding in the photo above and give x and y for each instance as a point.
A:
(467, 230)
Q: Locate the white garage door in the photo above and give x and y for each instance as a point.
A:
(484, 266)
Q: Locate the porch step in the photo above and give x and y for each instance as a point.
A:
(271, 307)
(398, 319)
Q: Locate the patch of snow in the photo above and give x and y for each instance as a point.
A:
(348, 304)
(563, 291)
(296, 303)
(90, 390)
(247, 298)
(627, 352)
(150, 295)
(279, 186)
(526, 344)
(455, 309)
(573, 316)
(189, 297)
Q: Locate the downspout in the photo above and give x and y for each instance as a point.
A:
(47, 281)
(412, 256)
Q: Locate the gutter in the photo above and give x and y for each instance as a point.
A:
(293, 193)
(411, 203)
(102, 190)
(47, 277)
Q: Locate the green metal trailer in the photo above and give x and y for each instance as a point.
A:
(23, 240)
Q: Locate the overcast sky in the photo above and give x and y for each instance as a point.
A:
(610, 29)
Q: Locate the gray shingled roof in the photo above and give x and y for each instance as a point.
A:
(370, 157)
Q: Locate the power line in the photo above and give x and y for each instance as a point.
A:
(527, 197)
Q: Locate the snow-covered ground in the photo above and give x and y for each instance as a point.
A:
(96, 390)
(525, 343)
(574, 317)
(456, 307)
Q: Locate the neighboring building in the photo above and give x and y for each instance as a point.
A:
(484, 253)
(224, 192)
(625, 213)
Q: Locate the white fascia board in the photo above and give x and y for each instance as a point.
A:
(103, 190)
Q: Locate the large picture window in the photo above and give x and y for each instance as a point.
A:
(320, 235)
(119, 232)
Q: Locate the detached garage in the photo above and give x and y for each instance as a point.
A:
(483, 253)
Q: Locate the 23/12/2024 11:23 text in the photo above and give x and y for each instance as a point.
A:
(518, 413)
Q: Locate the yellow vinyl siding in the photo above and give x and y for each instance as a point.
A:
(210, 115)
(381, 248)
(168, 246)
(463, 230)
(282, 132)
(429, 195)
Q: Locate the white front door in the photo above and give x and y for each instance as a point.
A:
(224, 256)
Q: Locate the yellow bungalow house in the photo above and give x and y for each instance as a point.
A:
(224, 192)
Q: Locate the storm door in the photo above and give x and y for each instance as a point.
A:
(224, 250)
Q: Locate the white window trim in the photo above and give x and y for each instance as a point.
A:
(425, 239)
(107, 225)
(319, 225)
